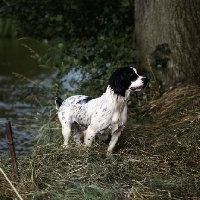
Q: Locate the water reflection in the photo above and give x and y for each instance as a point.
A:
(16, 58)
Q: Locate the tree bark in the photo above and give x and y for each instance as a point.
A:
(168, 33)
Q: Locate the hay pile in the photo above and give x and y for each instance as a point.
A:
(157, 157)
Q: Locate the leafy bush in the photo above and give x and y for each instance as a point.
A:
(93, 37)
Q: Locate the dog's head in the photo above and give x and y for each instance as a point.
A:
(126, 78)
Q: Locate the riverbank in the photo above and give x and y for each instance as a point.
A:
(157, 157)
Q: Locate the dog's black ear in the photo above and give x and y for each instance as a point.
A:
(121, 80)
(116, 82)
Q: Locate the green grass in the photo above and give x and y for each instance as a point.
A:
(157, 157)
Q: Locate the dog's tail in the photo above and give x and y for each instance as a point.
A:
(58, 102)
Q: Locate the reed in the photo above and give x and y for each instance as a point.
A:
(6, 28)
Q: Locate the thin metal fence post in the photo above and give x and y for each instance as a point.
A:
(12, 147)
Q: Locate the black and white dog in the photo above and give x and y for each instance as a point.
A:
(84, 116)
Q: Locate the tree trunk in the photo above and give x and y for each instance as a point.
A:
(168, 34)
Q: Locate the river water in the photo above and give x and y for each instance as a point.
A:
(14, 57)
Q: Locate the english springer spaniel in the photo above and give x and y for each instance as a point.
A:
(83, 116)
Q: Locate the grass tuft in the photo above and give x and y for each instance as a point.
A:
(157, 157)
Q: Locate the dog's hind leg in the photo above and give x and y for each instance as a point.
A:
(113, 141)
(66, 131)
(89, 136)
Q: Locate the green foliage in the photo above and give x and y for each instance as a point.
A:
(93, 37)
(5, 27)
(73, 18)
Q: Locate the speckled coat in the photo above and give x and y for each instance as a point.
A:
(84, 116)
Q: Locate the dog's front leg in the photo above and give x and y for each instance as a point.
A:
(66, 131)
(113, 141)
(89, 136)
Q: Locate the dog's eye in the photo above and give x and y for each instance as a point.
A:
(130, 74)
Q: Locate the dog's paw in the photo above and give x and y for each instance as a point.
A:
(109, 154)
(65, 146)
(85, 148)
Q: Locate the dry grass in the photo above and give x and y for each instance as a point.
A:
(157, 157)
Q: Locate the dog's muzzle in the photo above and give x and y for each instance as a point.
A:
(142, 86)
